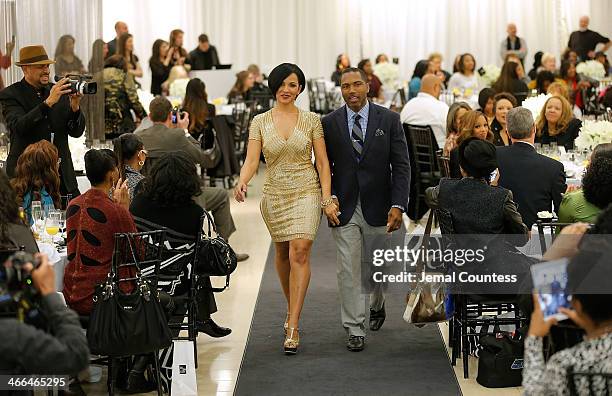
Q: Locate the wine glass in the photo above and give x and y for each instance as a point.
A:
(62, 222)
(38, 220)
(52, 225)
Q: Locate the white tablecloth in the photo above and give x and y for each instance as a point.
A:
(58, 260)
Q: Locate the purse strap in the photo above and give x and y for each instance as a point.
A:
(420, 265)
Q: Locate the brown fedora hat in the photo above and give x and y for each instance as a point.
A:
(33, 55)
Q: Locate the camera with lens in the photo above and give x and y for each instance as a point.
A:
(80, 83)
(18, 296)
(176, 113)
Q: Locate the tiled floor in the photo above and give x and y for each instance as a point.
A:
(219, 359)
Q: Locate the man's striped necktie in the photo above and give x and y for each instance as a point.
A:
(357, 137)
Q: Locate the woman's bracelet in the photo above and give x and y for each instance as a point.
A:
(326, 202)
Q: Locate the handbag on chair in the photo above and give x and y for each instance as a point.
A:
(127, 324)
(215, 256)
(426, 302)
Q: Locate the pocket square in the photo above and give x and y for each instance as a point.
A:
(379, 132)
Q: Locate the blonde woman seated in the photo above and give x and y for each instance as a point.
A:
(176, 84)
(557, 124)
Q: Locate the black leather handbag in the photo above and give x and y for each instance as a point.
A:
(215, 256)
(213, 154)
(127, 324)
(500, 361)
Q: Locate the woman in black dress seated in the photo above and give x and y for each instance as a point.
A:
(503, 102)
(556, 123)
(166, 200)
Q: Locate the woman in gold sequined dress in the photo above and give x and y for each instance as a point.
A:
(294, 191)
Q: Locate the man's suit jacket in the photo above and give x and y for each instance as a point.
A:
(536, 181)
(381, 178)
(159, 140)
(29, 120)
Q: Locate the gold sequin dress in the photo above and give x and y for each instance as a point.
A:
(291, 203)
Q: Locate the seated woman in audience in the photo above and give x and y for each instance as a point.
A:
(37, 177)
(585, 204)
(569, 55)
(241, 89)
(435, 60)
(66, 62)
(543, 81)
(509, 81)
(549, 63)
(131, 156)
(342, 62)
(167, 201)
(200, 113)
(591, 311)
(475, 205)
(558, 89)
(376, 93)
(473, 124)
(503, 103)
(92, 219)
(575, 83)
(556, 123)
(160, 65)
(420, 69)
(537, 62)
(453, 125)
(125, 49)
(602, 58)
(120, 99)
(466, 78)
(487, 103)
(520, 70)
(177, 81)
(14, 233)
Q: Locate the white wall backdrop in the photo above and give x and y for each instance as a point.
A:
(312, 33)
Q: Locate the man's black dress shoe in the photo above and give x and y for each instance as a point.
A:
(355, 343)
(377, 318)
(209, 327)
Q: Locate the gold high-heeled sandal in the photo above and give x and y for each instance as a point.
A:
(291, 344)
(286, 325)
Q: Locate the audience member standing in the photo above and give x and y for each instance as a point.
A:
(125, 48)
(584, 40)
(160, 65)
(204, 56)
(465, 79)
(35, 109)
(121, 98)
(513, 44)
(536, 181)
(120, 28)
(93, 105)
(426, 109)
(66, 62)
(342, 62)
(179, 54)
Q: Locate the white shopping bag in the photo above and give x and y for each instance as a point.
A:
(183, 370)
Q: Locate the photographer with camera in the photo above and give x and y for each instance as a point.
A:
(25, 349)
(35, 109)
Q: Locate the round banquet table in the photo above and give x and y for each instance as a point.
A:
(57, 259)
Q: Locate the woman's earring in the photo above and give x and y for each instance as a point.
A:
(141, 163)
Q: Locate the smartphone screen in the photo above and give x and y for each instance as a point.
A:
(550, 282)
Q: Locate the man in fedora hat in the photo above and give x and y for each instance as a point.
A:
(34, 109)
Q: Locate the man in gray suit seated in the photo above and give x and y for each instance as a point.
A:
(165, 136)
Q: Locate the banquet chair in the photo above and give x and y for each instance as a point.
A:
(472, 310)
(443, 164)
(552, 227)
(148, 248)
(424, 169)
(596, 383)
(241, 114)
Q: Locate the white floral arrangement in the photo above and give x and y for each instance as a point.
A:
(388, 73)
(178, 87)
(535, 104)
(77, 151)
(592, 69)
(593, 133)
(491, 74)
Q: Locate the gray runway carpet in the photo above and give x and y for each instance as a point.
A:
(399, 359)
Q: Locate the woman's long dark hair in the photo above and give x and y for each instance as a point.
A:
(96, 63)
(126, 147)
(156, 51)
(507, 75)
(61, 45)
(37, 169)
(9, 210)
(196, 104)
(420, 69)
(173, 181)
(240, 84)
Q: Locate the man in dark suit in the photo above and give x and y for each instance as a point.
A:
(370, 170)
(537, 182)
(35, 109)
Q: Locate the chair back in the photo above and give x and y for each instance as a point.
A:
(262, 101)
(443, 164)
(136, 251)
(548, 230)
(588, 383)
(423, 147)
